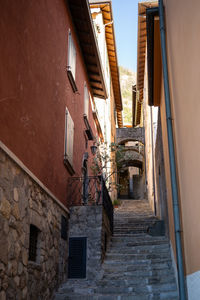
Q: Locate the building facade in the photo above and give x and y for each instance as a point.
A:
(48, 79)
(182, 50)
(110, 109)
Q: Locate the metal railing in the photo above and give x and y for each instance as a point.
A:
(90, 190)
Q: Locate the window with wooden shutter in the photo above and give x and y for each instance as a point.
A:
(69, 142)
(86, 100)
(71, 65)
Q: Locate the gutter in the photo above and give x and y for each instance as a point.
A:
(176, 210)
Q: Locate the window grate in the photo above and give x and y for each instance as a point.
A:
(33, 241)
(64, 228)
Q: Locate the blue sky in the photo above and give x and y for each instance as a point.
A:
(125, 23)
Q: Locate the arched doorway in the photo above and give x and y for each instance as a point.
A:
(131, 175)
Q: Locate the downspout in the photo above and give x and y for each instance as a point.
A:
(153, 162)
(176, 212)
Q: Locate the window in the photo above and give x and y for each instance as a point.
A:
(86, 100)
(71, 66)
(69, 141)
(33, 243)
(64, 227)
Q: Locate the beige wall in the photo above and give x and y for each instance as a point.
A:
(148, 144)
(183, 48)
(167, 169)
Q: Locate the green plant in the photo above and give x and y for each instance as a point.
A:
(107, 162)
(116, 202)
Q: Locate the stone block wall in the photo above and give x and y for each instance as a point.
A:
(23, 201)
(91, 222)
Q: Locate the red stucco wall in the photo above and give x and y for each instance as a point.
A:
(34, 89)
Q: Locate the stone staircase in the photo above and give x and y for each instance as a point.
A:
(137, 266)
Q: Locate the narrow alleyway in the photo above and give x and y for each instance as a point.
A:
(137, 265)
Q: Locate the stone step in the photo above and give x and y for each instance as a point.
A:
(131, 220)
(136, 281)
(137, 289)
(138, 250)
(142, 276)
(134, 261)
(123, 242)
(130, 231)
(131, 226)
(132, 256)
(113, 268)
(137, 239)
(145, 236)
(152, 296)
(121, 216)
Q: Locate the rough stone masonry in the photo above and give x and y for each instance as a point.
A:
(23, 202)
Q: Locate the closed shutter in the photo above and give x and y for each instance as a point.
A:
(69, 137)
(71, 55)
(86, 100)
(77, 257)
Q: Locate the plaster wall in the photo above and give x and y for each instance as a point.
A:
(105, 108)
(35, 89)
(183, 48)
(148, 145)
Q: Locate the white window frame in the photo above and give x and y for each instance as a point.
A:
(69, 142)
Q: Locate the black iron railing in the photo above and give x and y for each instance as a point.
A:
(107, 204)
(90, 190)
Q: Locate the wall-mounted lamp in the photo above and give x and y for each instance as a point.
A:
(93, 149)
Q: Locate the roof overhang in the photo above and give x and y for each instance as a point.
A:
(141, 57)
(106, 8)
(153, 56)
(81, 16)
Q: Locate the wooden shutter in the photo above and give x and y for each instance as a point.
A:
(69, 137)
(77, 257)
(71, 55)
(86, 100)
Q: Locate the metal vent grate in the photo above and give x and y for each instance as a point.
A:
(77, 257)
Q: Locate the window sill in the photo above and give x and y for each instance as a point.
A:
(71, 79)
(68, 166)
(34, 265)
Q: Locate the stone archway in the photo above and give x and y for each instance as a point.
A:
(131, 171)
(130, 134)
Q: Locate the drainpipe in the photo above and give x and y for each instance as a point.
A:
(153, 162)
(179, 255)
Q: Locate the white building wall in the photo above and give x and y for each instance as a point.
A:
(103, 106)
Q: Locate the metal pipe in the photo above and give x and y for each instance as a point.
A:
(153, 162)
(179, 255)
